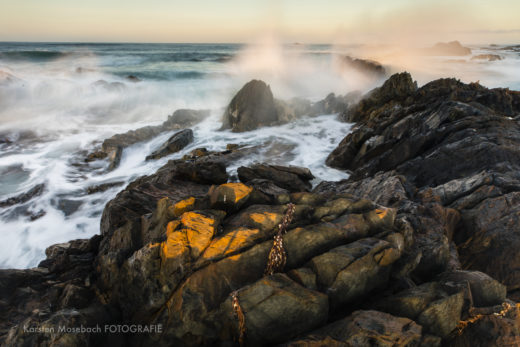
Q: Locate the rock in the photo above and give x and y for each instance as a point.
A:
(330, 105)
(276, 309)
(366, 328)
(57, 293)
(37, 190)
(252, 107)
(488, 57)
(394, 90)
(443, 315)
(174, 144)
(67, 206)
(113, 147)
(229, 196)
(348, 273)
(449, 48)
(184, 118)
(490, 330)
(292, 178)
(103, 187)
(439, 155)
(370, 68)
(492, 229)
(133, 78)
(485, 291)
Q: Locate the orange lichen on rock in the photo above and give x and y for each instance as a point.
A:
(175, 246)
(240, 190)
(183, 206)
(231, 242)
(381, 213)
(191, 234)
(261, 218)
(199, 231)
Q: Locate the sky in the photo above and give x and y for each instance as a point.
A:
(305, 21)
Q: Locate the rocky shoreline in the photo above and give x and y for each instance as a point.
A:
(417, 248)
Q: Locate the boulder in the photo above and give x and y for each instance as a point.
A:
(174, 144)
(453, 48)
(292, 178)
(252, 107)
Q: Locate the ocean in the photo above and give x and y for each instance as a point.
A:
(59, 101)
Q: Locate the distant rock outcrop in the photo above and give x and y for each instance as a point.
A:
(452, 48)
(488, 57)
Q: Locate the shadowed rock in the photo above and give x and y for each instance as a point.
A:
(252, 107)
(174, 144)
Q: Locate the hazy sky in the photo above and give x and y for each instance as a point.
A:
(471, 21)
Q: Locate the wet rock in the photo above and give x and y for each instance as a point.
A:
(37, 190)
(68, 206)
(113, 147)
(103, 187)
(252, 107)
(330, 105)
(292, 178)
(370, 68)
(174, 144)
(133, 78)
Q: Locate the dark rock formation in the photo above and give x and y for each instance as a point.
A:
(370, 68)
(252, 107)
(24, 197)
(447, 143)
(174, 144)
(372, 260)
(448, 48)
(292, 178)
(112, 148)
